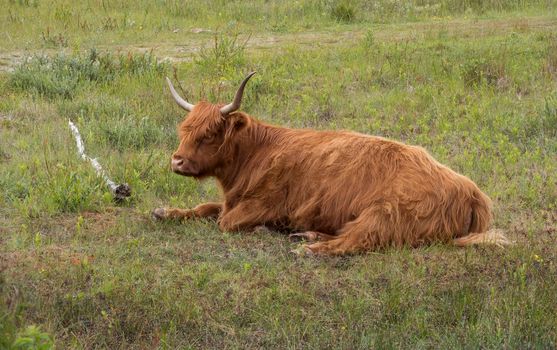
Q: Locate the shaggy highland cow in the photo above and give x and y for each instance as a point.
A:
(346, 191)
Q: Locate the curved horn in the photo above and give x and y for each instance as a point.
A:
(180, 101)
(229, 108)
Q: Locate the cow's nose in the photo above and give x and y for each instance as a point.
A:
(177, 161)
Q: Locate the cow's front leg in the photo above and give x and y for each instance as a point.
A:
(205, 210)
(245, 216)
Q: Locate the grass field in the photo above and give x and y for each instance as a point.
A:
(474, 82)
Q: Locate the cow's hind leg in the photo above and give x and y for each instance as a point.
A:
(373, 229)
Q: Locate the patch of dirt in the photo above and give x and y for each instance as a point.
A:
(93, 222)
(60, 229)
(6, 117)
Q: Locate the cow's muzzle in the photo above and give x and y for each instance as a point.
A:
(182, 166)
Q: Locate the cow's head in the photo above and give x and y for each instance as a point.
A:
(204, 132)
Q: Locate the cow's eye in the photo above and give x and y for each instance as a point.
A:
(209, 138)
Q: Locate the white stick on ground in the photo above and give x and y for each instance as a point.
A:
(120, 191)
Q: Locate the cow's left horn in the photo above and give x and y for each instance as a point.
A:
(229, 108)
(180, 101)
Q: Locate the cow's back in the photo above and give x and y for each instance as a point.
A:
(322, 180)
(328, 178)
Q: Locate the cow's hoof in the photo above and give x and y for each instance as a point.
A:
(308, 235)
(303, 250)
(158, 214)
(261, 229)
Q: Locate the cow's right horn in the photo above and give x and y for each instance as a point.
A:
(180, 101)
(231, 107)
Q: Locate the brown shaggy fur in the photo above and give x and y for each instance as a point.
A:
(352, 191)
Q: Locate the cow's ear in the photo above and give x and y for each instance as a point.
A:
(238, 121)
(235, 122)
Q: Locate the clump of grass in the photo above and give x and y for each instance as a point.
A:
(343, 12)
(62, 75)
(105, 107)
(45, 183)
(64, 191)
(54, 39)
(45, 77)
(73, 191)
(26, 3)
(482, 6)
(222, 63)
(226, 53)
(181, 9)
(548, 124)
(110, 23)
(482, 70)
(130, 132)
(550, 66)
(118, 123)
(369, 39)
(7, 326)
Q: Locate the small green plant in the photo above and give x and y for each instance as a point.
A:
(32, 338)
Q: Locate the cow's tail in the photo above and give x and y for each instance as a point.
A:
(481, 217)
(495, 236)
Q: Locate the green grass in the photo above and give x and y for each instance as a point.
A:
(32, 24)
(79, 271)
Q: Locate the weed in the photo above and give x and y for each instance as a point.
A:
(222, 62)
(54, 40)
(224, 55)
(110, 23)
